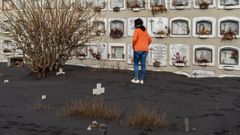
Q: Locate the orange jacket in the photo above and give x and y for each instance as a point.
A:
(141, 40)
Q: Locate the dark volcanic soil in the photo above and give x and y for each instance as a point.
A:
(212, 104)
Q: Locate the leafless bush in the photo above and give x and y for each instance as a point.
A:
(144, 117)
(48, 35)
(92, 108)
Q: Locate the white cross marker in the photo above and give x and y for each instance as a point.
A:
(98, 90)
(60, 72)
(6, 81)
(44, 97)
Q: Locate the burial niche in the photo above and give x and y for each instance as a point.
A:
(203, 55)
(158, 26)
(180, 27)
(158, 6)
(229, 29)
(117, 5)
(180, 4)
(117, 51)
(116, 29)
(136, 5)
(229, 56)
(229, 4)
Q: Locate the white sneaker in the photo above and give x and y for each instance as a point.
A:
(135, 81)
(141, 82)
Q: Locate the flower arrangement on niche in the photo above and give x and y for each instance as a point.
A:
(234, 55)
(96, 55)
(156, 63)
(203, 4)
(177, 60)
(116, 33)
(158, 9)
(135, 5)
(164, 32)
(228, 35)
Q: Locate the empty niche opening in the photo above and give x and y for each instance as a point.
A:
(81, 52)
(98, 51)
(117, 52)
(204, 27)
(116, 29)
(158, 26)
(229, 56)
(229, 29)
(203, 55)
(180, 4)
(204, 4)
(136, 4)
(99, 27)
(117, 5)
(180, 27)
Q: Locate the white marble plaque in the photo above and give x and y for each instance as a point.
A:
(130, 54)
(158, 55)
(157, 26)
(131, 26)
(179, 55)
(98, 51)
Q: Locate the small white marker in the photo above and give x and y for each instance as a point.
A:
(6, 81)
(89, 128)
(44, 97)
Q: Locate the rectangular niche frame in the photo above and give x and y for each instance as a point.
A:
(228, 66)
(163, 29)
(97, 48)
(121, 8)
(82, 52)
(117, 19)
(195, 5)
(5, 22)
(155, 58)
(230, 6)
(131, 26)
(180, 7)
(130, 52)
(188, 27)
(225, 19)
(105, 25)
(209, 19)
(150, 6)
(120, 45)
(9, 48)
(137, 8)
(210, 47)
(102, 9)
(173, 52)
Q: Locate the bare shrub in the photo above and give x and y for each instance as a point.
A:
(48, 36)
(144, 117)
(92, 108)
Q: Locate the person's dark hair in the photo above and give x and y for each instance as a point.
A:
(138, 23)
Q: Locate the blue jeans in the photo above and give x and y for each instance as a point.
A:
(140, 56)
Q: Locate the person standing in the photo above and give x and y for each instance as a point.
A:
(140, 43)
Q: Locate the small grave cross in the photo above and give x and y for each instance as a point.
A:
(151, 22)
(60, 72)
(6, 81)
(195, 74)
(99, 90)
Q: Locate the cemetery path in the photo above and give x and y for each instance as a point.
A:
(211, 104)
